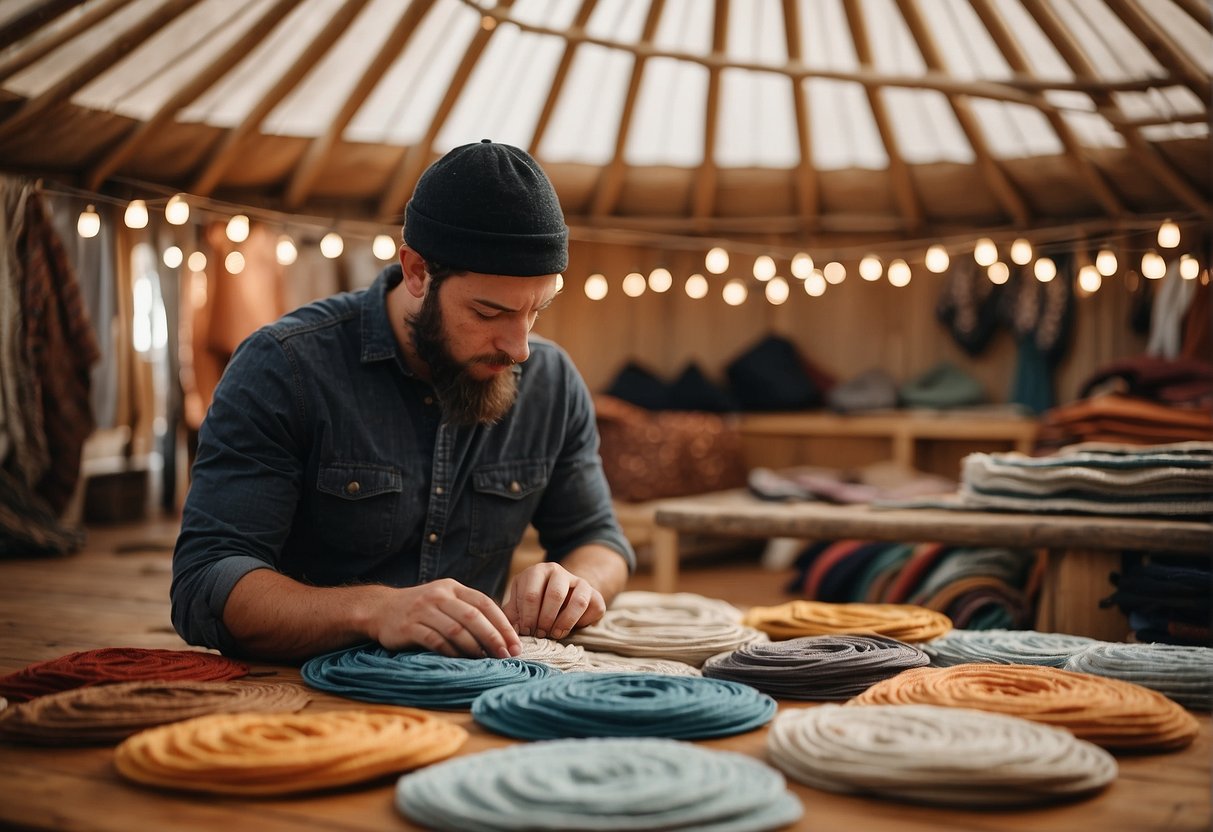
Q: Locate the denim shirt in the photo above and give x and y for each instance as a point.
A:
(324, 458)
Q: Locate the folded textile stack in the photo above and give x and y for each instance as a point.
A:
(1126, 419)
(1167, 599)
(1173, 480)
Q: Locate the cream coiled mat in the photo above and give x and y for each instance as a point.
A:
(276, 754)
(1108, 712)
(930, 754)
(108, 713)
(573, 658)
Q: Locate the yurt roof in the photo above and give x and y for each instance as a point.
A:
(782, 120)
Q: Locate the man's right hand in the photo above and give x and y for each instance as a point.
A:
(443, 616)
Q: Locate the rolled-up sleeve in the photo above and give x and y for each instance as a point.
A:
(245, 486)
(576, 509)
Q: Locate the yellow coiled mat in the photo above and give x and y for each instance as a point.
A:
(1107, 712)
(275, 754)
(904, 622)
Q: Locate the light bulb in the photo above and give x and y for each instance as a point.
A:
(559, 283)
(937, 260)
(802, 265)
(985, 252)
(764, 268)
(1105, 262)
(596, 287)
(234, 262)
(734, 292)
(870, 267)
(1021, 252)
(834, 272)
(1045, 269)
(238, 228)
(1189, 267)
(716, 261)
(331, 245)
(136, 214)
(177, 211)
(696, 287)
(634, 285)
(1168, 234)
(196, 262)
(998, 272)
(660, 280)
(285, 250)
(899, 273)
(815, 284)
(173, 257)
(89, 223)
(1153, 266)
(777, 291)
(1089, 279)
(383, 247)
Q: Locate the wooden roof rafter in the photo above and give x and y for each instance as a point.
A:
(70, 84)
(417, 157)
(30, 53)
(704, 194)
(992, 171)
(1199, 10)
(187, 94)
(1148, 155)
(808, 189)
(230, 145)
(320, 148)
(558, 79)
(610, 180)
(904, 192)
(1164, 49)
(34, 18)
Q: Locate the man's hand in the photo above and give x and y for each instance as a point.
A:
(548, 601)
(443, 616)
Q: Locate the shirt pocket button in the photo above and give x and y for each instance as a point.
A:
(515, 487)
(353, 487)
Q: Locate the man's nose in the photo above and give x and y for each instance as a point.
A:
(513, 342)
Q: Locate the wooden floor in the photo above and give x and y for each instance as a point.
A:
(115, 593)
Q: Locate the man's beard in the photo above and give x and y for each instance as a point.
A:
(465, 400)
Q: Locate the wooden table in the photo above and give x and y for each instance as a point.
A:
(1082, 548)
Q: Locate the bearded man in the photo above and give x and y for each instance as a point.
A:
(371, 461)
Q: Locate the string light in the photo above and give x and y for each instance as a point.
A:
(802, 265)
(1153, 267)
(383, 247)
(1168, 234)
(89, 223)
(285, 250)
(985, 252)
(1189, 267)
(234, 262)
(716, 261)
(136, 214)
(1105, 262)
(173, 257)
(177, 211)
(1045, 269)
(634, 285)
(196, 262)
(660, 280)
(764, 268)
(696, 287)
(937, 259)
(777, 291)
(815, 284)
(734, 292)
(834, 273)
(596, 287)
(870, 267)
(1021, 252)
(331, 245)
(998, 272)
(559, 283)
(899, 273)
(238, 228)
(1089, 279)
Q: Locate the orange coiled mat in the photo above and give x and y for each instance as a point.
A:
(275, 754)
(904, 622)
(1107, 712)
(117, 664)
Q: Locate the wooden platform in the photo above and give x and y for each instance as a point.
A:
(116, 594)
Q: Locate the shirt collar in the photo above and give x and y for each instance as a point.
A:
(378, 339)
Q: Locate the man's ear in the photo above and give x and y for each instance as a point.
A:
(415, 275)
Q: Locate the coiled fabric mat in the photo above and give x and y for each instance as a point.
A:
(816, 667)
(420, 679)
(573, 658)
(276, 754)
(1108, 712)
(102, 714)
(599, 784)
(623, 705)
(117, 664)
(1179, 672)
(928, 754)
(1004, 647)
(904, 622)
(681, 626)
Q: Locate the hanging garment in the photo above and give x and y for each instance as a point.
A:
(1171, 300)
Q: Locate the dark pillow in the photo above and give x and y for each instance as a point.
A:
(695, 391)
(771, 376)
(639, 386)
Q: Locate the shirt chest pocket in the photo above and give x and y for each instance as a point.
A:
(356, 506)
(504, 497)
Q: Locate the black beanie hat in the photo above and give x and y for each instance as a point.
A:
(488, 208)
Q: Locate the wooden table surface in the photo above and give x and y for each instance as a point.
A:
(117, 596)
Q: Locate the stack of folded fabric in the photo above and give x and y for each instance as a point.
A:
(1161, 480)
(1167, 599)
(1123, 419)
